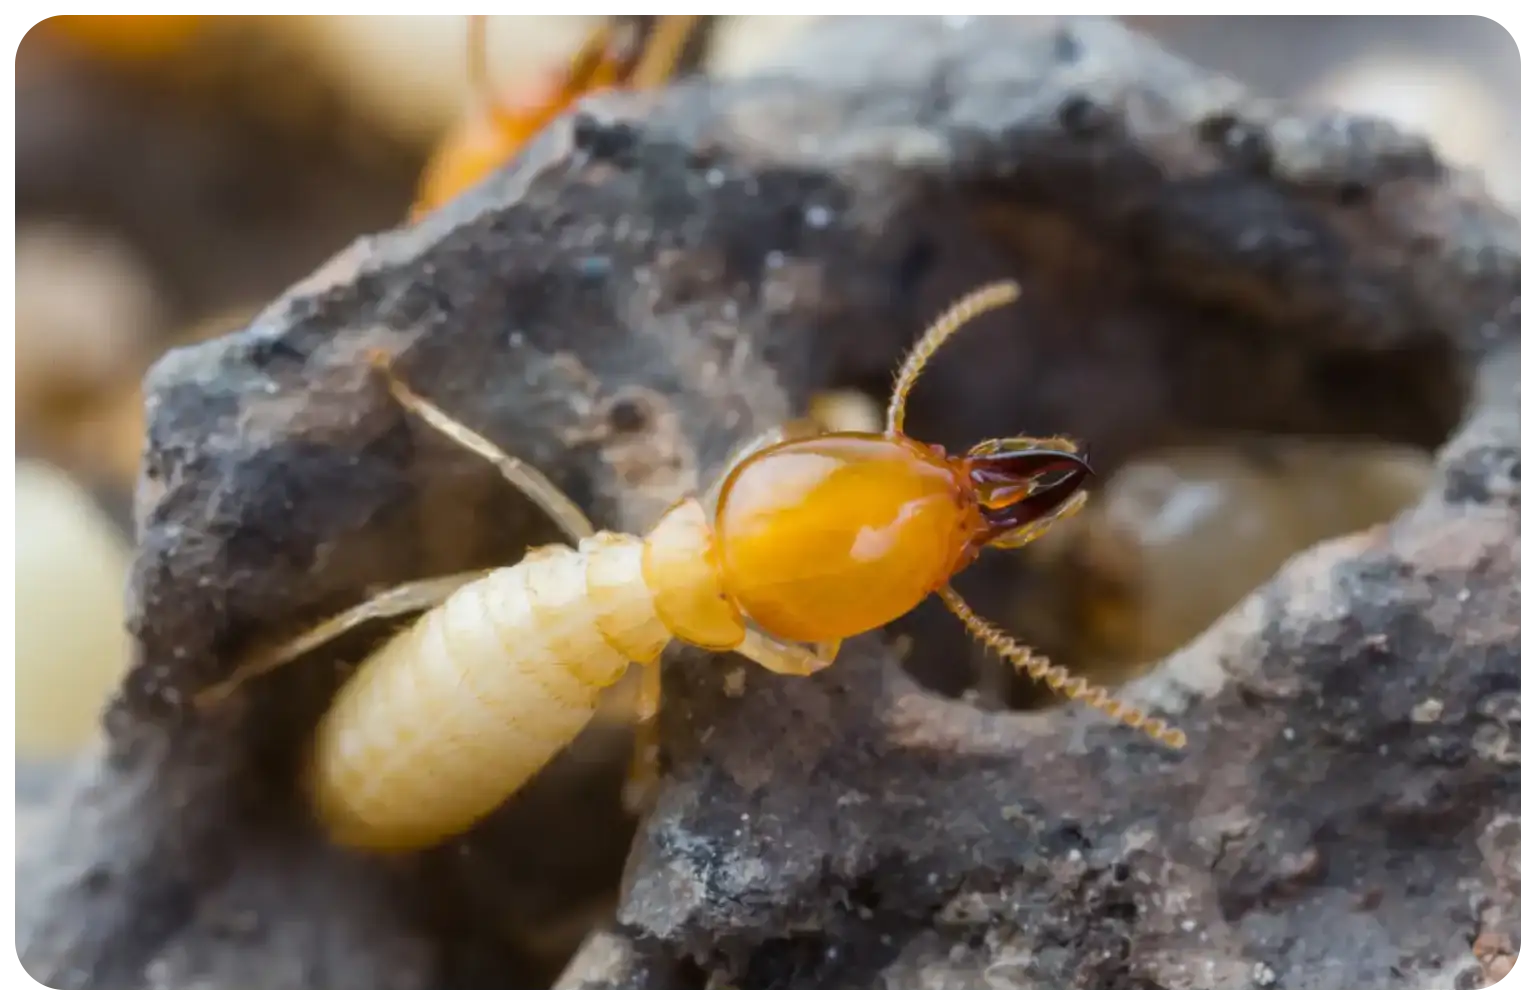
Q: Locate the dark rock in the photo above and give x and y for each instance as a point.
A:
(1194, 260)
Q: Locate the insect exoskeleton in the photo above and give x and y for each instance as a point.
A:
(808, 538)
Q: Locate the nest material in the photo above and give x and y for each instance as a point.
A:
(664, 274)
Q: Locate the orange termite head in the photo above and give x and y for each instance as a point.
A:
(1022, 485)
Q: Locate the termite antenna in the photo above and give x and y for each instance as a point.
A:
(1058, 678)
(980, 300)
(526, 478)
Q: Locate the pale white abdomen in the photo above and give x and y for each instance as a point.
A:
(456, 713)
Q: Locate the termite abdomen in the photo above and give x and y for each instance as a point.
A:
(458, 711)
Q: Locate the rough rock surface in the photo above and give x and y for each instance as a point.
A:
(665, 274)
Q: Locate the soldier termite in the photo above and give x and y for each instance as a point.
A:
(494, 131)
(807, 539)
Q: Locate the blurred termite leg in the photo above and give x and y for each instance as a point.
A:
(413, 596)
(526, 478)
(787, 658)
(774, 655)
(645, 763)
(594, 55)
(663, 50)
(648, 698)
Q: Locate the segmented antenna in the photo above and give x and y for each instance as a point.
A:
(1058, 678)
(527, 478)
(982, 299)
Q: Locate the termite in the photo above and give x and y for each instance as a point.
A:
(494, 131)
(807, 539)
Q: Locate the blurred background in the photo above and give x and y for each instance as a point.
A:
(174, 174)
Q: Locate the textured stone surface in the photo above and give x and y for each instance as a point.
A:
(672, 272)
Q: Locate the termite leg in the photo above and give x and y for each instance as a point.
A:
(413, 596)
(589, 61)
(648, 700)
(645, 764)
(787, 658)
(527, 479)
(662, 51)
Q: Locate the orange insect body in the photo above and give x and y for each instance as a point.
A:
(825, 538)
